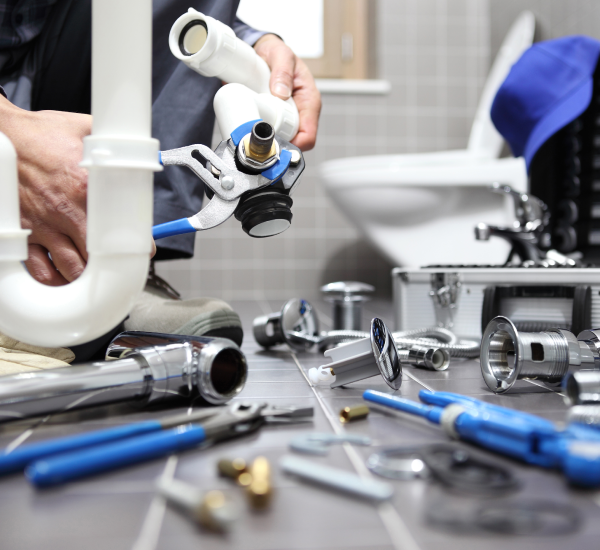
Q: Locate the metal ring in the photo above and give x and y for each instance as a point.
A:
(399, 463)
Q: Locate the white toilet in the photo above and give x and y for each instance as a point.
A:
(421, 209)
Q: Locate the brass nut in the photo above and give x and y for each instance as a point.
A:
(253, 155)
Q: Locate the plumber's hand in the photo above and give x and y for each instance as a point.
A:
(291, 77)
(52, 188)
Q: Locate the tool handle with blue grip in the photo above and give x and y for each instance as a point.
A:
(442, 399)
(405, 405)
(22, 456)
(101, 458)
(486, 428)
(168, 229)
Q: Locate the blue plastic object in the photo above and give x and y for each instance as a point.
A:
(405, 405)
(280, 167)
(242, 130)
(168, 229)
(22, 456)
(548, 87)
(101, 458)
(575, 450)
(442, 398)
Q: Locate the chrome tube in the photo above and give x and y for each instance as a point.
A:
(62, 389)
(141, 366)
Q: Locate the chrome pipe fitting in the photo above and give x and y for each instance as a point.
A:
(428, 358)
(346, 298)
(372, 356)
(141, 366)
(582, 387)
(296, 325)
(508, 355)
(584, 414)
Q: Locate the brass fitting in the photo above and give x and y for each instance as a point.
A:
(261, 142)
(260, 490)
(232, 468)
(356, 412)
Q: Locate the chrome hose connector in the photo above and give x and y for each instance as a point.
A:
(508, 355)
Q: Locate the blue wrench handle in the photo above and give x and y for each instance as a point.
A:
(22, 456)
(168, 229)
(101, 458)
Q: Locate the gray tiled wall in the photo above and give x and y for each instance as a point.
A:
(554, 18)
(435, 53)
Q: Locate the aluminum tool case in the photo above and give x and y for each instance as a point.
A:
(466, 298)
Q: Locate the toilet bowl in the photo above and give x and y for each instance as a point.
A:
(421, 209)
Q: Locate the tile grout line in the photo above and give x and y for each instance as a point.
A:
(418, 381)
(399, 533)
(150, 531)
(25, 435)
(549, 390)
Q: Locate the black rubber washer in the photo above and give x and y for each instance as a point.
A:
(263, 207)
(184, 32)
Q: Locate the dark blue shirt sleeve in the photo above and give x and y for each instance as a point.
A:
(3, 92)
(246, 32)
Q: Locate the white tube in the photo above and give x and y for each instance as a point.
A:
(211, 48)
(120, 157)
(236, 104)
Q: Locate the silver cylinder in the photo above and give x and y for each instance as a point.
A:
(508, 355)
(431, 358)
(62, 389)
(347, 298)
(143, 367)
(267, 330)
(295, 325)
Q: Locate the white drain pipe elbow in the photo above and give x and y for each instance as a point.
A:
(212, 49)
(120, 157)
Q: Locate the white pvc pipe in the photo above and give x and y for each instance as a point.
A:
(212, 49)
(120, 156)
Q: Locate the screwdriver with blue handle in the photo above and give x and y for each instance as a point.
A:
(575, 450)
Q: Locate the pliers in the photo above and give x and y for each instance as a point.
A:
(65, 459)
(225, 180)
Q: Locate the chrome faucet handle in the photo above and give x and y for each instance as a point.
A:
(525, 234)
(531, 212)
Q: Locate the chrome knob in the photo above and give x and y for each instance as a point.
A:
(347, 298)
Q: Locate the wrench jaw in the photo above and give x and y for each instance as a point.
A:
(214, 213)
(221, 173)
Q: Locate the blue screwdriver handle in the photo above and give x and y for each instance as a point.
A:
(16, 460)
(405, 405)
(66, 467)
